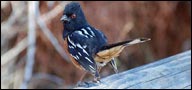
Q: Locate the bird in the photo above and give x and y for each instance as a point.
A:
(87, 45)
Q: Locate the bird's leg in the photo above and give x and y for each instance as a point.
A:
(99, 69)
(114, 65)
(96, 77)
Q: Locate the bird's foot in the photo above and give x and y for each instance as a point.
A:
(86, 84)
(97, 80)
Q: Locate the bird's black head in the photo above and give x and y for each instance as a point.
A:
(73, 18)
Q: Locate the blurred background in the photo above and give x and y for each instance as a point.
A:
(34, 55)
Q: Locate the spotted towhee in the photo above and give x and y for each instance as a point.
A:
(88, 45)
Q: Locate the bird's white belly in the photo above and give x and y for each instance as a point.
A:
(101, 64)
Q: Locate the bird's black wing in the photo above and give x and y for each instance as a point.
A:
(82, 45)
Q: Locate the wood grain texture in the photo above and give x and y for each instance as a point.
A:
(170, 73)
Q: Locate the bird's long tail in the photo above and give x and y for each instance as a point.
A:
(113, 50)
(125, 43)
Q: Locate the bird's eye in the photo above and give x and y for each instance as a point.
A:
(73, 16)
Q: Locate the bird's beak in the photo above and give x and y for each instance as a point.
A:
(64, 18)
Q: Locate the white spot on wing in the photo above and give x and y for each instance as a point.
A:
(79, 53)
(77, 57)
(91, 31)
(78, 45)
(91, 67)
(88, 59)
(80, 33)
(84, 46)
(85, 52)
(71, 47)
(73, 56)
(71, 41)
(89, 28)
(86, 32)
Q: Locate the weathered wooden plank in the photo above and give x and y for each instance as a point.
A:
(167, 81)
(171, 72)
(187, 87)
